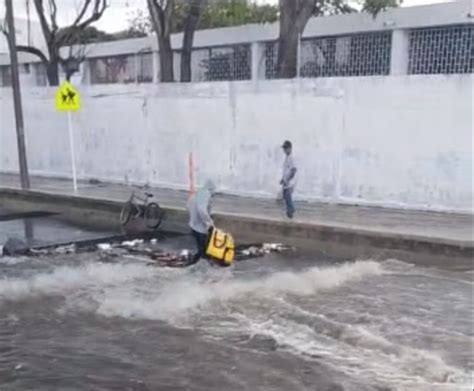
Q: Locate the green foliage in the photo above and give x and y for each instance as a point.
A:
(139, 25)
(215, 14)
(74, 36)
(225, 13)
(374, 7)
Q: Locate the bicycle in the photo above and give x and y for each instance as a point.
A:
(149, 211)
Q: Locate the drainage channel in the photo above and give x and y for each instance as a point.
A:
(8, 216)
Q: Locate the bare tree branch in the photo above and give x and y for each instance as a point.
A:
(3, 26)
(99, 8)
(81, 13)
(53, 9)
(34, 51)
(55, 37)
(43, 22)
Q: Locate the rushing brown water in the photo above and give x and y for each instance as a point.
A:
(72, 322)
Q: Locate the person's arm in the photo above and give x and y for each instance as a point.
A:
(205, 216)
(286, 180)
(291, 175)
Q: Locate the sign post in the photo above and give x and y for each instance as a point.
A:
(69, 100)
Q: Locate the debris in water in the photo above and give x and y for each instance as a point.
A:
(18, 367)
(274, 247)
(65, 249)
(132, 243)
(15, 247)
(104, 246)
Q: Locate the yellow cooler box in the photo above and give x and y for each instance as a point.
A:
(221, 247)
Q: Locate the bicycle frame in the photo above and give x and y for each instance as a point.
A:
(139, 208)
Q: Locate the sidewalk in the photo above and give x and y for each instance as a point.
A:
(432, 227)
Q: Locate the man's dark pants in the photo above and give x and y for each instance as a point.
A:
(288, 197)
(201, 243)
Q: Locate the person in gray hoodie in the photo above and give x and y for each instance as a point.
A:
(200, 221)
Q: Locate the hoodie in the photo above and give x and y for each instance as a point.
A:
(199, 209)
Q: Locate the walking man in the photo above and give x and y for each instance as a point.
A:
(288, 181)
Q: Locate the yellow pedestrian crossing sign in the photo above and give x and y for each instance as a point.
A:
(67, 98)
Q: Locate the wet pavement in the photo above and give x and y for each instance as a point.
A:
(448, 228)
(38, 230)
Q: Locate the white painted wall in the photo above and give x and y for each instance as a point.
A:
(393, 141)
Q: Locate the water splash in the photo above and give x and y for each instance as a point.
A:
(359, 352)
(64, 280)
(191, 293)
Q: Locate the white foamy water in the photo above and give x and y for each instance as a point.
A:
(359, 318)
(65, 280)
(177, 297)
(362, 354)
(118, 284)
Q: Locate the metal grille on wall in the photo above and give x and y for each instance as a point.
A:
(347, 55)
(441, 50)
(271, 58)
(135, 68)
(5, 76)
(221, 63)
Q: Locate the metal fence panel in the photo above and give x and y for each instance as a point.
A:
(222, 63)
(441, 50)
(348, 55)
(134, 68)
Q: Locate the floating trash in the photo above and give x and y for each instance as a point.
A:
(132, 243)
(65, 249)
(104, 246)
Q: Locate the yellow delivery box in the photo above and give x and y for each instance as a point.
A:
(221, 247)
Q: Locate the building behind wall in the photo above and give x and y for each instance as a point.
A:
(430, 39)
(28, 33)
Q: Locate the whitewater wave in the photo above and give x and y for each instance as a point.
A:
(64, 280)
(9, 261)
(172, 289)
(361, 353)
(137, 291)
(190, 294)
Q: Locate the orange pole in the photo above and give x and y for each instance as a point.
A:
(191, 174)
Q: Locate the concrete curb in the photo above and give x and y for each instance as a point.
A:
(334, 240)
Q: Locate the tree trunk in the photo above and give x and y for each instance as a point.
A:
(52, 72)
(190, 25)
(294, 16)
(287, 53)
(166, 59)
(52, 66)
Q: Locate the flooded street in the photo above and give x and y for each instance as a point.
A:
(293, 322)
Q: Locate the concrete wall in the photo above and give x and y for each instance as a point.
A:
(392, 141)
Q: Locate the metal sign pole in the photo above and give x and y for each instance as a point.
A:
(71, 144)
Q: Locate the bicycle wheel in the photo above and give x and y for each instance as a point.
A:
(126, 213)
(153, 215)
